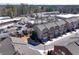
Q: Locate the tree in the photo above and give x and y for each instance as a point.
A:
(3, 12)
(34, 37)
(11, 10)
(24, 9)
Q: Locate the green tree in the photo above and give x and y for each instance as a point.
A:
(11, 10)
(3, 12)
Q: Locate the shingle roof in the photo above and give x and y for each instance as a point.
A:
(56, 23)
(23, 47)
(68, 20)
(50, 25)
(6, 48)
(73, 48)
(72, 19)
(41, 27)
(61, 22)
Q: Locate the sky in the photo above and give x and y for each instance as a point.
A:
(45, 2)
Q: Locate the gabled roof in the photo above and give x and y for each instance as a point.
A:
(73, 19)
(50, 25)
(60, 22)
(68, 20)
(73, 48)
(41, 27)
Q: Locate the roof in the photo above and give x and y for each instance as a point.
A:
(6, 47)
(4, 18)
(46, 26)
(73, 48)
(67, 39)
(67, 15)
(24, 50)
(4, 35)
(5, 26)
(60, 22)
(73, 19)
(69, 20)
(41, 27)
(23, 47)
(50, 25)
(8, 20)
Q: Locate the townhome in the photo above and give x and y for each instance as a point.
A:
(51, 27)
(72, 21)
(72, 24)
(56, 28)
(69, 25)
(76, 21)
(62, 26)
(41, 31)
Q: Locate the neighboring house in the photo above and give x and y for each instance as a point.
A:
(57, 27)
(73, 47)
(72, 21)
(47, 30)
(51, 29)
(42, 31)
(69, 49)
(69, 25)
(23, 47)
(59, 50)
(45, 14)
(75, 22)
(61, 23)
(6, 47)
